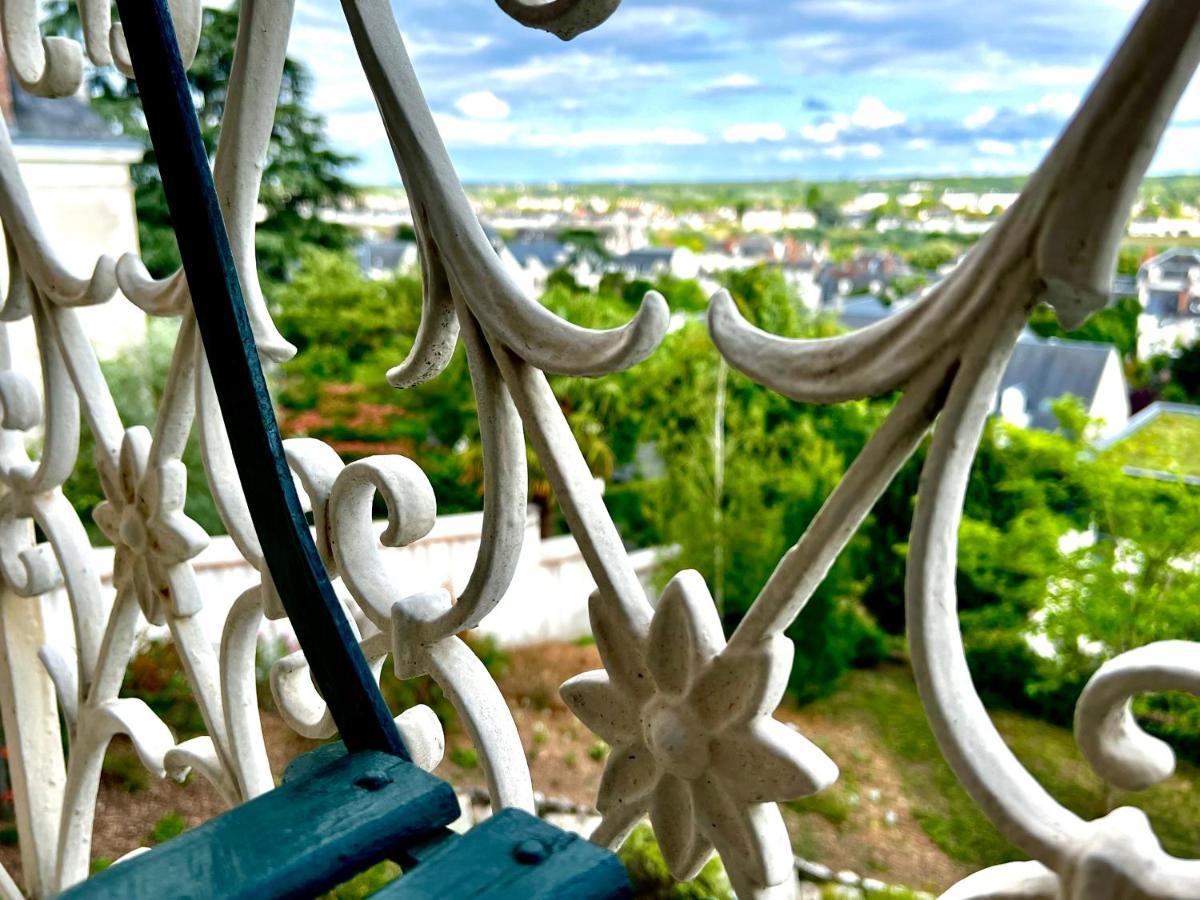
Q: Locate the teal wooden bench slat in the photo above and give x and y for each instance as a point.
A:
(513, 855)
(304, 837)
(306, 764)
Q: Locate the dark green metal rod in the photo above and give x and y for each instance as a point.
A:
(337, 663)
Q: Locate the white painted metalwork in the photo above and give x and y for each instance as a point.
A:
(689, 715)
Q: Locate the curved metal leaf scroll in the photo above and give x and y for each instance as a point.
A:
(689, 714)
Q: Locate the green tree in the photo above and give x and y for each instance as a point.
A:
(826, 211)
(349, 331)
(932, 255)
(1116, 324)
(1137, 582)
(732, 511)
(302, 173)
(136, 379)
(1129, 260)
(1184, 371)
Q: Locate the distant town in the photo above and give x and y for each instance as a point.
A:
(858, 251)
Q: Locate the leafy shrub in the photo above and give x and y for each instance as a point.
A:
(401, 695)
(124, 768)
(1001, 663)
(652, 881)
(136, 378)
(1175, 718)
(364, 884)
(830, 635)
(833, 804)
(629, 504)
(156, 675)
(464, 757)
(169, 826)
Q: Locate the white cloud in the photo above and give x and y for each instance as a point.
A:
(975, 83)
(980, 117)
(874, 114)
(1002, 73)
(459, 131)
(1062, 103)
(753, 132)
(871, 114)
(862, 151)
(828, 131)
(918, 144)
(614, 137)
(735, 81)
(675, 19)
(622, 171)
(482, 105)
(1177, 152)
(574, 69)
(1188, 109)
(365, 127)
(996, 148)
(1055, 76)
(426, 45)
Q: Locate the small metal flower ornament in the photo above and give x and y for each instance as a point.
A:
(143, 517)
(694, 744)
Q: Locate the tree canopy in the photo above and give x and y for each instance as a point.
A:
(302, 174)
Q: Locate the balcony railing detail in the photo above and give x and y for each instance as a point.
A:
(688, 713)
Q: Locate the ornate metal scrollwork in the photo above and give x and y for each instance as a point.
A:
(689, 715)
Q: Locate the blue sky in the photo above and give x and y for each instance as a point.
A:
(737, 89)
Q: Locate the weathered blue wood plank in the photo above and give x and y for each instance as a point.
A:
(513, 855)
(300, 839)
(337, 664)
(305, 765)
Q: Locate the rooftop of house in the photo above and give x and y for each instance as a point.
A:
(1160, 441)
(1041, 369)
(646, 260)
(550, 253)
(64, 120)
(1172, 267)
(859, 312)
(1045, 369)
(384, 255)
(864, 269)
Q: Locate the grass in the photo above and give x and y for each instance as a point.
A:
(464, 757)
(365, 883)
(122, 766)
(833, 805)
(169, 826)
(1165, 444)
(886, 701)
(651, 880)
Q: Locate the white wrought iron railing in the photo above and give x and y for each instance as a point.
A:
(688, 713)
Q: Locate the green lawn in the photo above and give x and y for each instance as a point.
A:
(885, 700)
(1166, 444)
